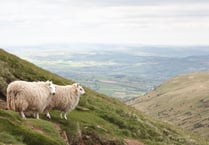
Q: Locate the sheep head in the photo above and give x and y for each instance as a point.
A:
(52, 87)
(79, 89)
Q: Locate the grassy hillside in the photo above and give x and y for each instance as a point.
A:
(183, 100)
(99, 119)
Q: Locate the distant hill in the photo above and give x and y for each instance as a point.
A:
(183, 100)
(99, 120)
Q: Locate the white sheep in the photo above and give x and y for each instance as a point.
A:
(65, 99)
(29, 96)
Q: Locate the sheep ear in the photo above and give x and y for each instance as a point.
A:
(76, 85)
(49, 82)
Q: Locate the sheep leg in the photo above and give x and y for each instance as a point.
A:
(65, 115)
(34, 115)
(61, 115)
(48, 115)
(37, 115)
(22, 114)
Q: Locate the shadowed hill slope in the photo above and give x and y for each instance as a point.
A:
(99, 119)
(183, 100)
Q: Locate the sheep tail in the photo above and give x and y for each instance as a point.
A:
(11, 100)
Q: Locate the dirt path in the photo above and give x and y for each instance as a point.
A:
(62, 132)
(133, 142)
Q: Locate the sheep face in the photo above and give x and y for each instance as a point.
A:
(79, 89)
(52, 88)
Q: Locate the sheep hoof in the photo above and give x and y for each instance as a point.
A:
(22, 115)
(65, 116)
(48, 116)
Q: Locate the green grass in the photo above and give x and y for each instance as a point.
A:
(6, 138)
(108, 121)
(18, 130)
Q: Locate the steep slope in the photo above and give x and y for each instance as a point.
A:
(183, 100)
(99, 119)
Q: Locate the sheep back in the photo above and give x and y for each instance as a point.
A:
(22, 95)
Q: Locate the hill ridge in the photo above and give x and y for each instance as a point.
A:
(182, 100)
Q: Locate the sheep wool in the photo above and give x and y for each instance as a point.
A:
(65, 99)
(29, 96)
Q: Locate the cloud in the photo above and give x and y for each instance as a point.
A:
(94, 21)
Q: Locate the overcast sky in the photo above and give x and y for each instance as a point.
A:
(149, 22)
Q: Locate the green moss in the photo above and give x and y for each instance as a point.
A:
(6, 138)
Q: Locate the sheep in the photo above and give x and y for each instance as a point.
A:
(29, 96)
(65, 99)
